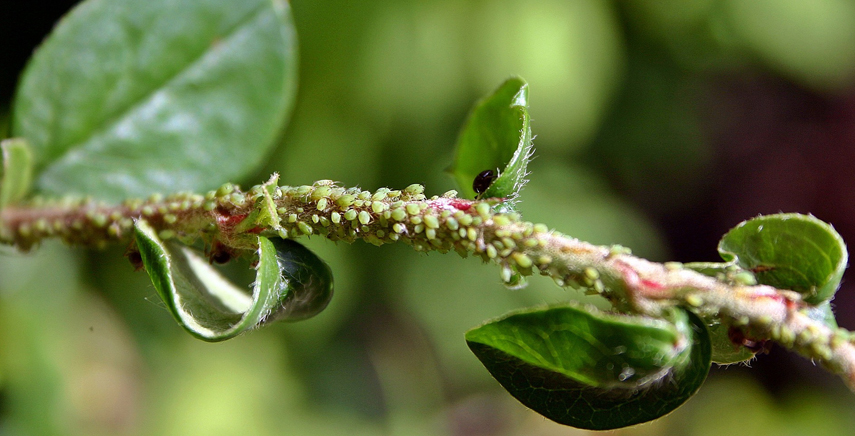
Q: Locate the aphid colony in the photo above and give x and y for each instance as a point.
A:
(441, 223)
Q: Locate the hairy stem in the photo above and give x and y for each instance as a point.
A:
(228, 217)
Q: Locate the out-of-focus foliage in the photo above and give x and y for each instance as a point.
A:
(86, 348)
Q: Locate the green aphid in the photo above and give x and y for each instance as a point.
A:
(378, 207)
(304, 228)
(399, 214)
(501, 220)
(350, 215)
(451, 223)
(100, 220)
(303, 191)
(413, 209)
(414, 189)
(335, 217)
(506, 274)
(745, 278)
(430, 233)
(592, 273)
(322, 204)
(471, 234)
(345, 200)
(483, 210)
(694, 300)
(41, 225)
(364, 217)
(431, 222)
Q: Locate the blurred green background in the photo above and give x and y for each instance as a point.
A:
(660, 124)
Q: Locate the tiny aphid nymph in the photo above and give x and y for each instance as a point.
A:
(483, 181)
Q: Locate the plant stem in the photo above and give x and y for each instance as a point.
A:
(441, 223)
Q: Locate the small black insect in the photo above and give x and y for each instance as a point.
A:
(483, 181)
(219, 254)
(135, 258)
(221, 257)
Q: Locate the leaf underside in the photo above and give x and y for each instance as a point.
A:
(577, 370)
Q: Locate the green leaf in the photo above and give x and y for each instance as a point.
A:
(126, 98)
(584, 368)
(309, 278)
(496, 137)
(17, 167)
(789, 251)
(291, 283)
(724, 351)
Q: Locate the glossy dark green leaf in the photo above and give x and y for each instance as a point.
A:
(309, 279)
(126, 98)
(789, 251)
(496, 137)
(584, 368)
(291, 284)
(17, 170)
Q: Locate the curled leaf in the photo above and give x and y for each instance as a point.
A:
(211, 308)
(584, 368)
(495, 146)
(789, 251)
(308, 278)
